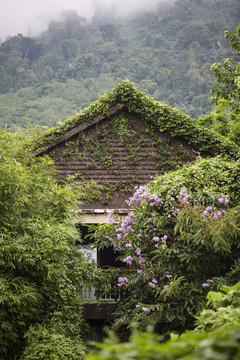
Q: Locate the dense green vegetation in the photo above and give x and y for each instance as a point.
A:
(226, 95)
(41, 267)
(217, 336)
(167, 54)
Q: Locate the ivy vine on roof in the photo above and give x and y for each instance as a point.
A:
(155, 115)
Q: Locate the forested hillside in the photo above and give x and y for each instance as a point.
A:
(167, 54)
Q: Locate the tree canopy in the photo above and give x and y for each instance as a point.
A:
(225, 118)
(227, 75)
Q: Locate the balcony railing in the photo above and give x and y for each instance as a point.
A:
(88, 294)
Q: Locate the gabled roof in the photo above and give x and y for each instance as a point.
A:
(124, 139)
(160, 115)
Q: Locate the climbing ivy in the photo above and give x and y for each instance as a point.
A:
(155, 115)
(174, 136)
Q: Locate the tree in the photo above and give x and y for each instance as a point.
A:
(27, 47)
(69, 48)
(227, 76)
(225, 118)
(108, 32)
(41, 267)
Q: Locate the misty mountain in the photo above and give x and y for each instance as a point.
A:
(167, 53)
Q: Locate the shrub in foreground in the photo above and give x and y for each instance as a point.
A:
(217, 336)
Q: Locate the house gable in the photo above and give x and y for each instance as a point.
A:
(125, 139)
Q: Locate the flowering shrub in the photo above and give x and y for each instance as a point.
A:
(176, 246)
(122, 281)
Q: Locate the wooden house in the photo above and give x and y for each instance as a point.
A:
(121, 141)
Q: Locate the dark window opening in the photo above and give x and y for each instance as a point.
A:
(85, 232)
(106, 257)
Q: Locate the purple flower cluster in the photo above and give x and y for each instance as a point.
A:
(118, 248)
(155, 200)
(128, 260)
(123, 232)
(208, 283)
(126, 226)
(175, 211)
(144, 309)
(206, 211)
(218, 213)
(143, 196)
(141, 261)
(107, 241)
(209, 211)
(122, 281)
(129, 245)
(138, 251)
(163, 240)
(224, 199)
(153, 283)
(110, 219)
(183, 196)
(140, 196)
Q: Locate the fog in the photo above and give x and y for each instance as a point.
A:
(30, 17)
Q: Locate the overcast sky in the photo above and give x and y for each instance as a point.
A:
(18, 16)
